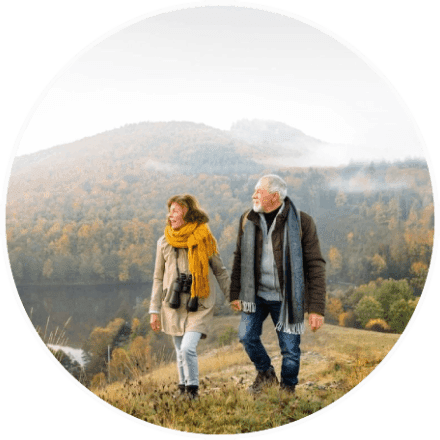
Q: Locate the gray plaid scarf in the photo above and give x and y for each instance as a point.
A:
(291, 318)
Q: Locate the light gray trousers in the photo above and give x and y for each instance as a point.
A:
(186, 354)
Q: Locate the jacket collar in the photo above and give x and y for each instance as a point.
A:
(254, 217)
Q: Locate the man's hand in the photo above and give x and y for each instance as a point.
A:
(155, 322)
(315, 321)
(235, 305)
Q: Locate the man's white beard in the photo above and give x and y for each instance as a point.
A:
(258, 208)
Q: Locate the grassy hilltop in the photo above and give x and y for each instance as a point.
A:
(334, 360)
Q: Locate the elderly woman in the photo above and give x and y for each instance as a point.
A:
(184, 294)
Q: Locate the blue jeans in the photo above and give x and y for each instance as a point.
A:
(249, 333)
(186, 354)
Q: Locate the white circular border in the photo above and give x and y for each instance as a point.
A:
(97, 40)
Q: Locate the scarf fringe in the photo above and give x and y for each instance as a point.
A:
(248, 307)
(295, 290)
(293, 329)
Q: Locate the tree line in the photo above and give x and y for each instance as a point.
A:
(373, 220)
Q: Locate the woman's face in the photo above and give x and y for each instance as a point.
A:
(176, 215)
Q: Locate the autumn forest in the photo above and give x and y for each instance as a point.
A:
(91, 212)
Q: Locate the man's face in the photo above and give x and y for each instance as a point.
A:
(262, 199)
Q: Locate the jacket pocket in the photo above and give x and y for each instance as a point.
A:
(202, 304)
(164, 294)
(207, 303)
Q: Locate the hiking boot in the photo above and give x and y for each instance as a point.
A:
(181, 392)
(192, 392)
(290, 389)
(263, 380)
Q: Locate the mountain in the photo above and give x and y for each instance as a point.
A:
(279, 144)
(271, 133)
(177, 147)
(172, 147)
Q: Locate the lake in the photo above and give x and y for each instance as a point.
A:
(87, 306)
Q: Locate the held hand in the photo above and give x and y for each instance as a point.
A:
(155, 322)
(315, 321)
(236, 305)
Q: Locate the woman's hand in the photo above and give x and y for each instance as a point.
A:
(155, 322)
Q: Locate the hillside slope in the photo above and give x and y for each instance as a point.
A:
(333, 361)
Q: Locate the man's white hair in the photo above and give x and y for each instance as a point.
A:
(273, 184)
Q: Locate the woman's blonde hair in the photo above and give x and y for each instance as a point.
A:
(194, 214)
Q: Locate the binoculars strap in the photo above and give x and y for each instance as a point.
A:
(176, 250)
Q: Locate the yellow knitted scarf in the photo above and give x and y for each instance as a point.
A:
(201, 246)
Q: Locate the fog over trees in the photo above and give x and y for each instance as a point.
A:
(92, 211)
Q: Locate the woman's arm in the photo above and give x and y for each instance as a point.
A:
(221, 274)
(159, 269)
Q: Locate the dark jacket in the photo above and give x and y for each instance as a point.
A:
(313, 262)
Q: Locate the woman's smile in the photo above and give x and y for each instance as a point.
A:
(176, 215)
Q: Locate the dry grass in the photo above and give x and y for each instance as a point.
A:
(333, 361)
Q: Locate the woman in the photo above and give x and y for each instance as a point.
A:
(187, 253)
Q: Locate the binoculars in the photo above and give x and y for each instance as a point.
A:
(183, 285)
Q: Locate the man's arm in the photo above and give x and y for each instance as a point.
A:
(234, 291)
(314, 266)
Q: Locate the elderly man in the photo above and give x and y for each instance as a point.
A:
(278, 269)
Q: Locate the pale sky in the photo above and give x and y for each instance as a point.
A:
(217, 65)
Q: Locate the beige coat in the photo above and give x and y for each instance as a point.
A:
(176, 322)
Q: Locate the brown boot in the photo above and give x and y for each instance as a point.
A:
(263, 380)
(290, 389)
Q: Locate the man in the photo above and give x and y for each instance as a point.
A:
(278, 269)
